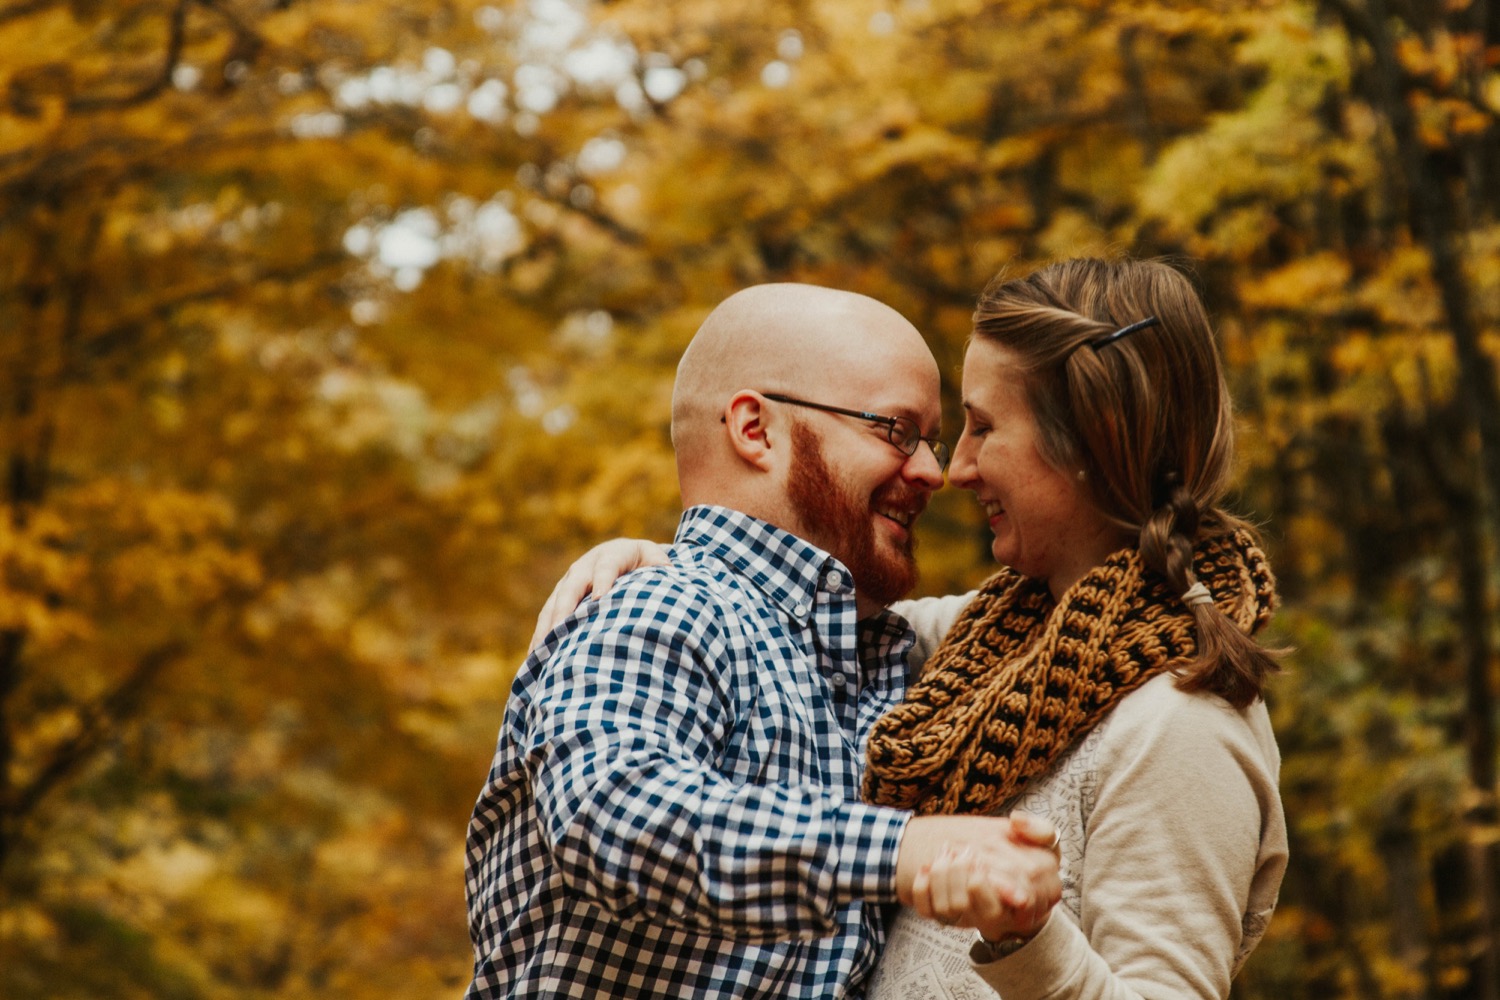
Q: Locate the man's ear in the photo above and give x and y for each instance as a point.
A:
(747, 421)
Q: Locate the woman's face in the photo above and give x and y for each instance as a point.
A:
(1043, 522)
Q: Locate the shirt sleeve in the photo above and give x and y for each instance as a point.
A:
(1187, 834)
(622, 733)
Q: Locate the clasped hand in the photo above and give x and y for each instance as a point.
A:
(999, 876)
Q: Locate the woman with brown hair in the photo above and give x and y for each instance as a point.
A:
(1107, 677)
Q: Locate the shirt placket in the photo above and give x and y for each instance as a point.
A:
(838, 653)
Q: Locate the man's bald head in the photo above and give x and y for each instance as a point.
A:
(832, 479)
(801, 340)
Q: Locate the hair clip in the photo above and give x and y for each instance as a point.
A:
(1124, 331)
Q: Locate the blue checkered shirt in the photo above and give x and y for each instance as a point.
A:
(673, 809)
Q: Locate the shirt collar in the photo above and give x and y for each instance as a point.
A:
(787, 568)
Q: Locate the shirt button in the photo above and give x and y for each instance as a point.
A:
(838, 680)
(834, 579)
(800, 609)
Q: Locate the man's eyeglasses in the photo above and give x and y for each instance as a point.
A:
(903, 432)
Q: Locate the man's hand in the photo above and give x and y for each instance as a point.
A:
(594, 572)
(994, 874)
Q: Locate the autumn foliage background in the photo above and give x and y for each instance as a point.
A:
(331, 329)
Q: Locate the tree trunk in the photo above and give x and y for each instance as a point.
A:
(11, 641)
(1410, 942)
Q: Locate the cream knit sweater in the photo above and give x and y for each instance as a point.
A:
(1174, 846)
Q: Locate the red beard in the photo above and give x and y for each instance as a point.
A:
(835, 519)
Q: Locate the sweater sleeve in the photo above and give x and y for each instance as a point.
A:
(1185, 849)
(930, 618)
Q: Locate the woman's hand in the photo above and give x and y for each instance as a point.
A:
(594, 572)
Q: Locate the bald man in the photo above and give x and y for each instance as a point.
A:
(673, 809)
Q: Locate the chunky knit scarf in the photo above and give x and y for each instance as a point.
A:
(1020, 678)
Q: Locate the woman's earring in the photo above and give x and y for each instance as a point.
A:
(1083, 475)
